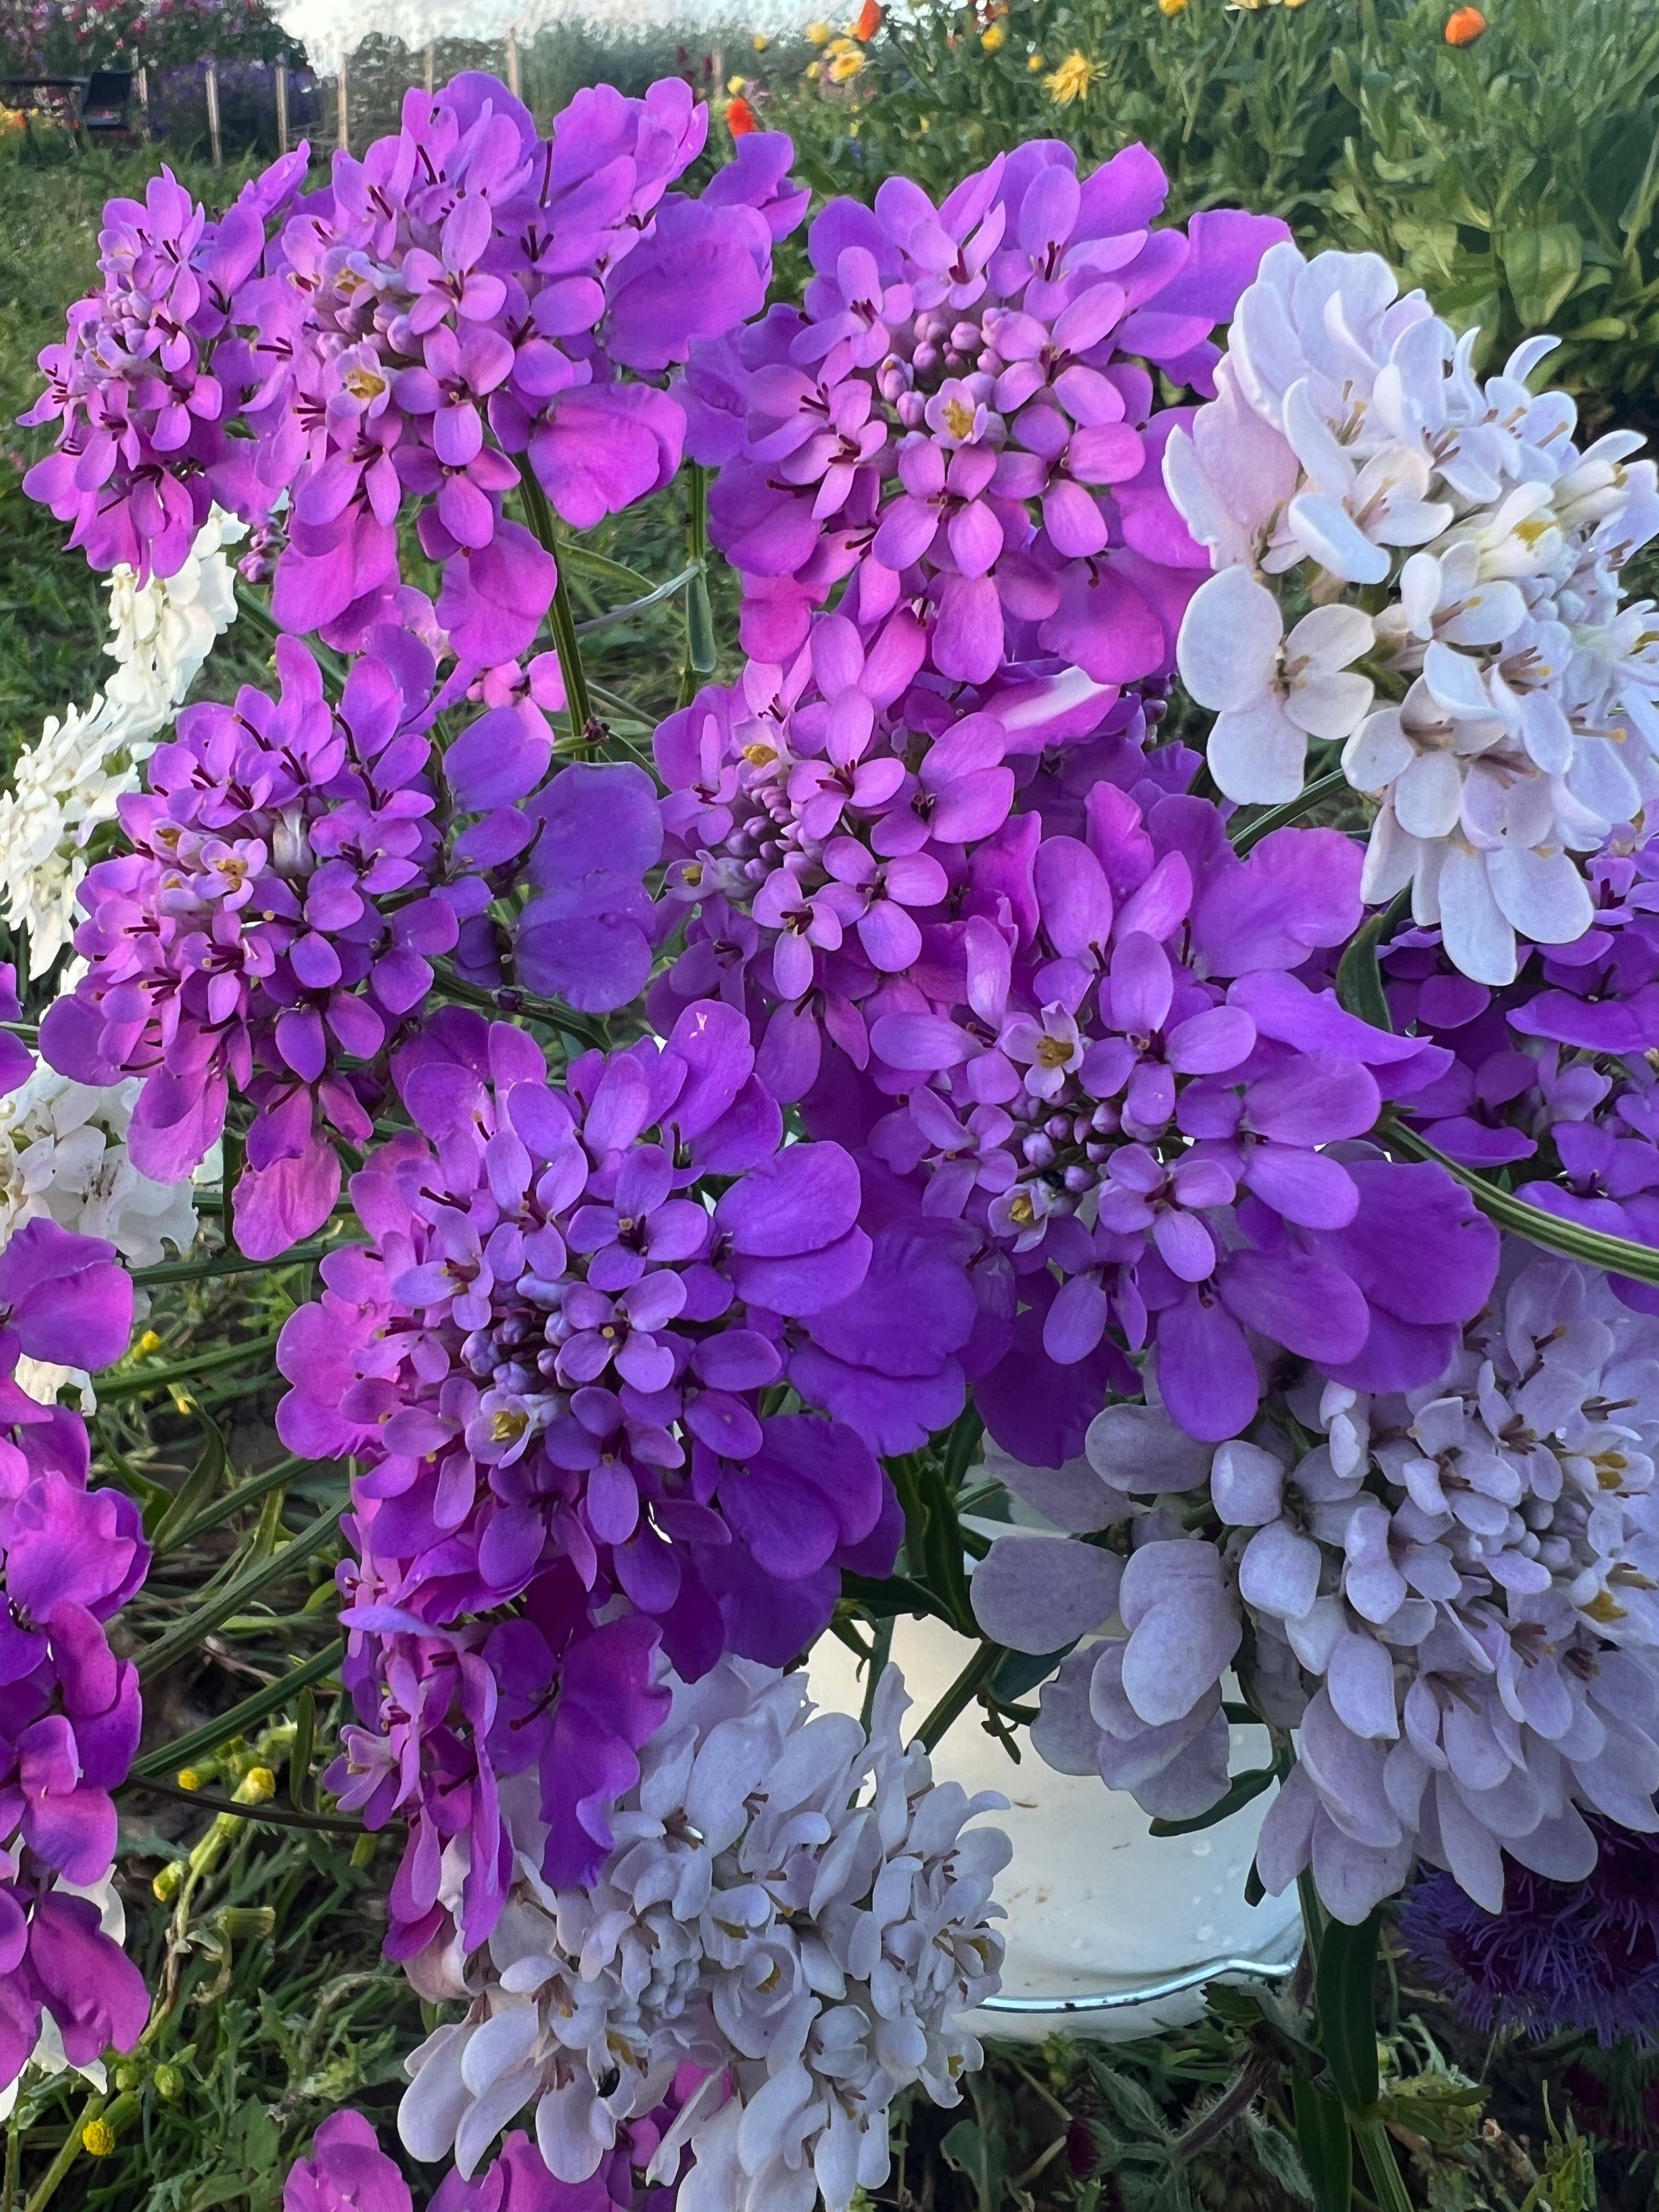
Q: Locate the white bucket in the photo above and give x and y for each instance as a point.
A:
(1111, 1931)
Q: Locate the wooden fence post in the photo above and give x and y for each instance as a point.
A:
(512, 59)
(214, 132)
(431, 66)
(344, 132)
(281, 107)
(143, 100)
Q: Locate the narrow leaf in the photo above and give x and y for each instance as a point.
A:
(1327, 2148)
(1347, 2011)
(166, 1757)
(1614, 1255)
(235, 1595)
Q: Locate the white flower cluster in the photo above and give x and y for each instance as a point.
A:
(63, 1154)
(69, 784)
(1447, 534)
(1452, 1598)
(789, 1907)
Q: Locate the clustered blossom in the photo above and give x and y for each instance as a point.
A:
(1505, 711)
(553, 1360)
(790, 1909)
(69, 786)
(961, 415)
(467, 293)
(274, 925)
(70, 1558)
(346, 2171)
(1450, 1596)
(63, 1156)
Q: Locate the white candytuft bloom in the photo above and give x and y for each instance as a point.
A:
(67, 786)
(1450, 536)
(63, 1156)
(788, 1907)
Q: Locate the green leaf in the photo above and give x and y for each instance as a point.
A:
(1239, 1791)
(299, 1757)
(981, 2157)
(1327, 2148)
(701, 648)
(1022, 1670)
(236, 1593)
(1249, 834)
(897, 1594)
(1358, 977)
(166, 1758)
(1343, 1995)
(1614, 1255)
(598, 570)
(1542, 266)
(198, 1486)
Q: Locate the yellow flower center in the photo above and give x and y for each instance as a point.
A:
(363, 384)
(508, 1425)
(1054, 1052)
(959, 418)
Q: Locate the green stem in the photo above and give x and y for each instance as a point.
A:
(1376, 2148)
(509, 1000)
(186, 1371)
(48, 2187)
(235, 1594)
(640, 606)
(272, 1816)
(225, 1263)
(540, 517)
(1275, 817)
(881, 1652)
(961, 1694)
(200, 1743)
(245, 1493)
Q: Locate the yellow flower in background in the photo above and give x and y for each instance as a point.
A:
(1035, 63)
(1171, 7)
(762, 42)
(994, 38)
(846, 60)
(819, 35)
(735, 84)
(1070, 82)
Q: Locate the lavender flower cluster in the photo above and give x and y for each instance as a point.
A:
(920, 1040)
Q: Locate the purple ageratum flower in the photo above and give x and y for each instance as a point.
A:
(1124, 1090)
(1577, 1958)
(466, 294)
(959, 415)
(69, 1728)
(346, 2171)
(150, 372)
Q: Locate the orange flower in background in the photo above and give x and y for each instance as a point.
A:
(740, 117)
(1464, 28)
(872, 15)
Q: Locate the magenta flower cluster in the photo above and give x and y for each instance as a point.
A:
(962, 416)
(70, 1558)
(555, 1359)
(468, 300)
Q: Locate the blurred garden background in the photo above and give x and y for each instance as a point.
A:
(1506, 159)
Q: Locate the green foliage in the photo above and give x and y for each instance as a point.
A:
(1516, 179)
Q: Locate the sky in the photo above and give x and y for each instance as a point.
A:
(325, 24)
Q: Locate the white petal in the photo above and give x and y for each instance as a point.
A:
(1257, 756)
(1314, 442)
(1454, 681)
(435, 2100)
(1600, 779)
(1391, 859)
(1420, 593)
(1228, 649)
(1542, 894)
(1328, 533)
(1547, 734)
(1378, 750)
(1429, 796)
(1331, 706)
(1477, 937)
(1330, 637)
(1486, 617)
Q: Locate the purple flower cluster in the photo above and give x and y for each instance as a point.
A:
(558, 1358)
(70, 1558)
(467, 293)
(962, 416)
(346, 2171)
(295, 867)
